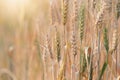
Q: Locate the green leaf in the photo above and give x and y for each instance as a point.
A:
(103, 70)
(106, 41)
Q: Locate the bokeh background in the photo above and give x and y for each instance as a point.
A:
(20, 22)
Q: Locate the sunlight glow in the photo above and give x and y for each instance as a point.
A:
(16, 2)
(18, 9)
(12, 4)
(15, 7)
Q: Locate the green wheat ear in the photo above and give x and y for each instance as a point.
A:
(81, 21)
(58, 47)
(118, 9)
(106, 42)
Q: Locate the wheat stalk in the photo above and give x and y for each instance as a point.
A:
(81, 23)
(45, 63)
(73, 41)
(61, 75)
(64, 16)
(73, 49)
(51, 15)
(90, 74)
(106, 45)
(99, 23)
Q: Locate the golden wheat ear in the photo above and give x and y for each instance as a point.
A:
(106, 5)
(64, 11)
(114, 39)
(73, 40)
(75, 8)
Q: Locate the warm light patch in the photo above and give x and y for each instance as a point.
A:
(17, 10)
(15, 4)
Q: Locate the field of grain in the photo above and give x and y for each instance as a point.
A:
(59, 39)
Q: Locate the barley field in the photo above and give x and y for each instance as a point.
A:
(59, 39)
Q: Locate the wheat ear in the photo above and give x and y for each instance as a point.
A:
(64, 11)
(81, 21)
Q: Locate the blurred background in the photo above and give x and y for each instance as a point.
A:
(20, 20)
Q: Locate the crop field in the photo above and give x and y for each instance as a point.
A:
(59, 39)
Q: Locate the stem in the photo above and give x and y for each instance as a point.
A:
(80, 62)
(98, 62)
